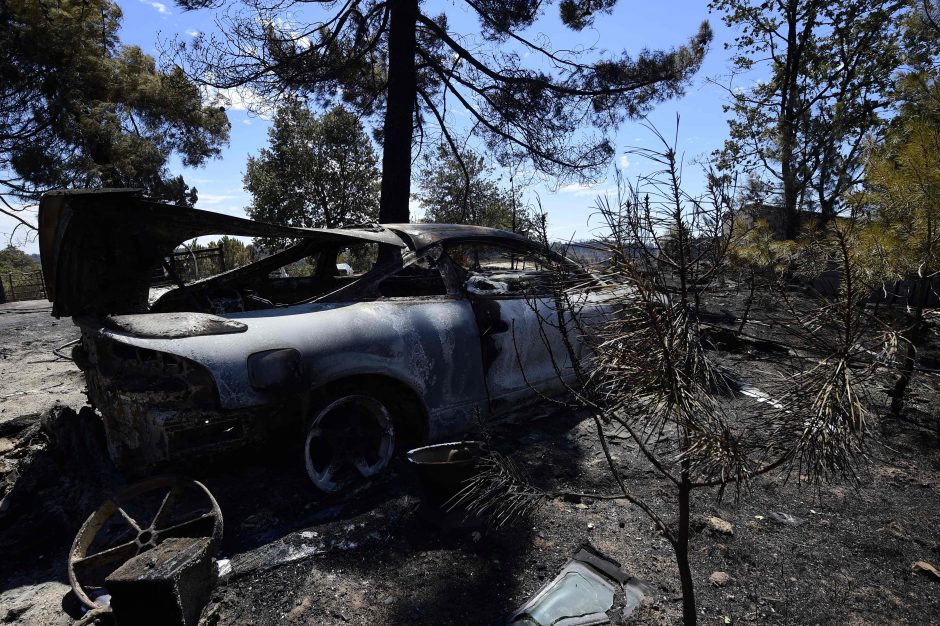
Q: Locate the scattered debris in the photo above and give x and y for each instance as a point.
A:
(15, 426)
(259, 522)
(720, 579)
(728, 340)
(785, 518)
(926, 569)
(293, 547)
(111, 550)
(718, 525)
(445, 467)
(337, 536)
(750, 391)
(165, 586)
(51, 477)
(583, 593)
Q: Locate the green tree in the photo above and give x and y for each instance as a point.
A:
(80, 109)
(831, 69)
(406, 68)
(13, 260)
(903, 176)
(234, 252)
(318, 171)
(902, 194)
(462, 191)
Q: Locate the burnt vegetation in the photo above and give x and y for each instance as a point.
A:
(655, 369)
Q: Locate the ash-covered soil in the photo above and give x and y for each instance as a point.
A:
(31, 375)
(381, 557)
(846, 561)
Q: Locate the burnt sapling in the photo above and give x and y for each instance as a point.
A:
(645, 364)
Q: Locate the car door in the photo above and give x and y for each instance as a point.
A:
(523, 349)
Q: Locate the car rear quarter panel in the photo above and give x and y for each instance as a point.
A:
(430, 344)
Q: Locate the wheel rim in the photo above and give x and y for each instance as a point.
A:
(89, 567)
(350, 440)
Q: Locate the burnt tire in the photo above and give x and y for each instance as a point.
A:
(349, 439)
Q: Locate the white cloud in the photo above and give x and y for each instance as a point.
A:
(159, 6)
(244, 99)
(286, 27)
(577, 189)
(212, 198)
(623, 162)
(247, 121)
(192, 33)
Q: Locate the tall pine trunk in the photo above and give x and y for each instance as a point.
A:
(399, 113)
(787, 127)
(920, 292)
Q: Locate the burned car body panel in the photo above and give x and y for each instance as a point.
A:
(424, 235)
(414, 344)
(191, 374)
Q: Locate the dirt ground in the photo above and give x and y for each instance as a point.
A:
(380, 557)
(31, 376)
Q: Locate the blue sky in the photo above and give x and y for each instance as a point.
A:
(633, 26)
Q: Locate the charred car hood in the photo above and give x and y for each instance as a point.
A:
(99, 249)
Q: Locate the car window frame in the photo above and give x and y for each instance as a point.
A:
(529, 248)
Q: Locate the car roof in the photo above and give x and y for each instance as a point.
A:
(424, 235)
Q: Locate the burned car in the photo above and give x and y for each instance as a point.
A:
(387, 336)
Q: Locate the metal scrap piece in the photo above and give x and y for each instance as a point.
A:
(583, 593)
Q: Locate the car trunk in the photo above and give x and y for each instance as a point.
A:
(100, 248)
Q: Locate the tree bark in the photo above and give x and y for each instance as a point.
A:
(399, 112)
(787, 125)
(921, 291)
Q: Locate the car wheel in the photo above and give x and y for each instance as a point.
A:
(349, 440)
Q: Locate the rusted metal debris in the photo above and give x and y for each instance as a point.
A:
(105, 559)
